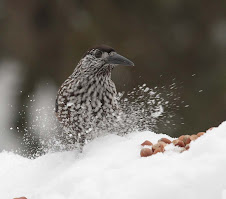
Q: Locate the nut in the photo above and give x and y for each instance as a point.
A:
(187, 139)
(162, 143)
(145, 152)
(181, 137)
(159, 145)
(147, 143)
(200, 134)
(178, 143)
(193, 137)
(210, 128)
(187, 147)
(167, 141)
(21, 198)
(158, 150)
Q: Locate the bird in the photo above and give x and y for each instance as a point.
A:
(88, 97)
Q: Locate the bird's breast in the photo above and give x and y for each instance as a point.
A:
(81, 103)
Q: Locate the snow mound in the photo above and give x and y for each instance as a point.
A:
(111, 167)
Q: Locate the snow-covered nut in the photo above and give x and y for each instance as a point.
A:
(147, 143)
(162, 143)
(187, 139)
(21, 198)
(193, 137)
(179, 143)
(167, 141)
(187, 147)
(200, 134)
(158, 150)
(159, 145)
(181, 137)
(145, 152)
(211, 128)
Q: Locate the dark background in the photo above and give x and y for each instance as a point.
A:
(169, 41)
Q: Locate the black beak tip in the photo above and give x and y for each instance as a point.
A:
(119, 60)
(132, 64)
(128, 63)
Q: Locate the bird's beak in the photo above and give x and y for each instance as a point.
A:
(118, 60)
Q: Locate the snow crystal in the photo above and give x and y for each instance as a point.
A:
(111, 167)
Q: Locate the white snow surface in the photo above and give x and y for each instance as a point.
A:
(111, 168)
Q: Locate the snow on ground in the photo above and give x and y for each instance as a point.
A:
(111, 167)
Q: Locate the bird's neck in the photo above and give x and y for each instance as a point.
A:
(104, 71)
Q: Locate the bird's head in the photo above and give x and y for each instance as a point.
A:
(102, 59)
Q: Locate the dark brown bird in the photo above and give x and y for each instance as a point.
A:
(88, 96)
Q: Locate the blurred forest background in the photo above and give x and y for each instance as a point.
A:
(170, 41)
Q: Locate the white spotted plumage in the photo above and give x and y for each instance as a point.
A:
(88, 96)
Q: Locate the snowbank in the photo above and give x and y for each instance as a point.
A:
(111, 168)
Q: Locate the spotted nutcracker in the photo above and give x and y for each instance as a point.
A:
(88, 96)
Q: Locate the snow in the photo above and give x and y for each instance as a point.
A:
(111, 167)
(10, 83)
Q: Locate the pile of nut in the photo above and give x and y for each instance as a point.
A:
(183, 141)
(21, 198)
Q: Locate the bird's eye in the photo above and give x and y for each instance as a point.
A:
(98, 54)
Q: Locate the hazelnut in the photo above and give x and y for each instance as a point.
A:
(162, 143)
(181, 137)
(200, 134)
(158, 150)
(21, 198)
(147, 143)
(178, 143)
(193, 137)
(167, 141)
(159, 145)
(210, 128)
(187, 139)
(145, 152)
(187, 147)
